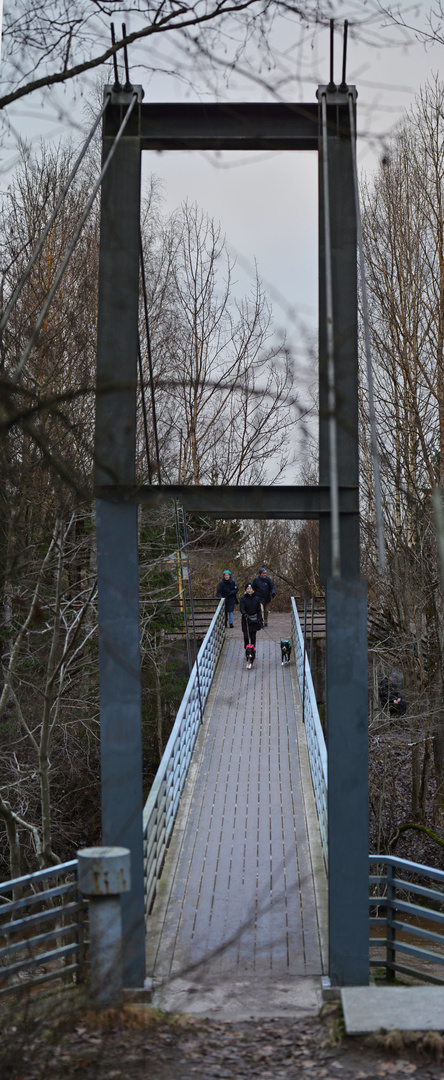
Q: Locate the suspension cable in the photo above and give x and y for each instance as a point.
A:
(150, 359)
(144, 411)
(181, 584)
(190, 586)
(333, 462)
(72, 245)
(366, 321)
(50, 223)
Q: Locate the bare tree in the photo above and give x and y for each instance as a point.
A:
(43, 665)
(224, 389)
(403, 227)
(52, 44)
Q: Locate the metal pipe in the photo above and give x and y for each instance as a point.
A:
(182, 596)
(343, 86)
(127, 87)
(332, 86)
(333, 458)
(190, 587)
(366, 321)
(144, 412)
(150, 359)
(117, 85)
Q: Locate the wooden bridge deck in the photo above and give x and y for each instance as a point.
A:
(243, 891)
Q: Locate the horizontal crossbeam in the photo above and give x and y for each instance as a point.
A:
(196, 126)
(246, 502)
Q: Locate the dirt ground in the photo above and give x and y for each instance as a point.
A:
(51, 1041)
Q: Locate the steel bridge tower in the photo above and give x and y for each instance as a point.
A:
(324, 127)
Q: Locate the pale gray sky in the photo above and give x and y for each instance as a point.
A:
(267, 204)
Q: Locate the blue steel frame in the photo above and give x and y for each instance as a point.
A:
(393, 891)
(42, 928)
(224, 127)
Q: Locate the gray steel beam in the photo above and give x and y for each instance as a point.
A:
(247, 502)
(117, 538)
(347, 748)
(345, 305)
(196, 126)
(346, 606)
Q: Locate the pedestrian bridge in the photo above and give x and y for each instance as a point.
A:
(242, 896)
(235, 849)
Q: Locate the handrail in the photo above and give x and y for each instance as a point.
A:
(317, 751)
(162, 804)
(42, 928)
(396, 899)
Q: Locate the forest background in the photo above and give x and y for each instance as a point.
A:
(231, 390)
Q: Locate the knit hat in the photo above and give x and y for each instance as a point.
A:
(262, 570)
(248, 585)
(226, 572)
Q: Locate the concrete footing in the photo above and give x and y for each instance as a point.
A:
(392, 1008)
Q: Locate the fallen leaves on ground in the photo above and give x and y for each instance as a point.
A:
(139, 1043)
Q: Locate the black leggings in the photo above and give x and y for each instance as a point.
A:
(248, 632)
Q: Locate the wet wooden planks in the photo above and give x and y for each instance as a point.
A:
(239, 894)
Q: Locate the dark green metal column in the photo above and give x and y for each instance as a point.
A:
(343, 240)
(347, 750)
(117, 533)
(346, 605)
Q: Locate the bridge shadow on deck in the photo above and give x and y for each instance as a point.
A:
(241, 904)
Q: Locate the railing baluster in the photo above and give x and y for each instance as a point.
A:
(391, 931)
(317, 752)
(178, 752)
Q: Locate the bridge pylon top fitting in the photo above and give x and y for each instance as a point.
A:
(124, 95)
(337, 95)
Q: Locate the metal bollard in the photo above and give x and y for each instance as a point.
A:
(103, 874)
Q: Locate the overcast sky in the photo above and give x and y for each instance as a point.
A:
(267, 204)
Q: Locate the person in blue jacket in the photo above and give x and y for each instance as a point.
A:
(264, 588)
(228, 589)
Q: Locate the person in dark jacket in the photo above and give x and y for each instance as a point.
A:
(264, 588)
(390, 693)
(228, 589)
(250, 609)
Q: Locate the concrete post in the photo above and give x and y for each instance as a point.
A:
(104, 873)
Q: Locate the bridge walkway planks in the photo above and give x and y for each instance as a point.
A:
(243, 892)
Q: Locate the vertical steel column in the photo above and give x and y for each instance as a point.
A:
(117, 533)
(343, 236)
(347, 749)
(346, 606)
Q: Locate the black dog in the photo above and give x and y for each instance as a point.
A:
(285, 651)
(250, 653)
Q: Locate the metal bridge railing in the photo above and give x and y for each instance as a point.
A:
(161, 807)
(407, 927)
(317, 751)
(42, 927)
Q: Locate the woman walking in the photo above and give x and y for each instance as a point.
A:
(228, 589)
(250, 609)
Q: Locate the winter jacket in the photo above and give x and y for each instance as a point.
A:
(264, 588)
(251, 605)
(228, 590)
